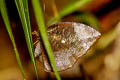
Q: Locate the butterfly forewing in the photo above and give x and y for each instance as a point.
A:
(69, 41)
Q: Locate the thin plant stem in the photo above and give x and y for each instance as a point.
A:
(54, 8)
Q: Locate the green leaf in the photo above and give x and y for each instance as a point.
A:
(3, 11)
(22, 7)
(71, 7)
(41, 25)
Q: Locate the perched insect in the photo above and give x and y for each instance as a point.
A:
(69, 41)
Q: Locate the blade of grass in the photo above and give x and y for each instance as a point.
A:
(3, 11)
(22, 7)
(27, 18)
(41, 25)
(68, 10)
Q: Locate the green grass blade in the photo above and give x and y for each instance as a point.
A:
(22, 6)
(41, 25)
(3, 11)
(27, 18)
(69, 9)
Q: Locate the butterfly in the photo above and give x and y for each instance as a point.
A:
(69, 42)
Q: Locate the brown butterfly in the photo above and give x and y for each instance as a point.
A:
(69, 41)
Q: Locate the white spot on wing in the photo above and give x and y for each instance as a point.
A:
(62, 41)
